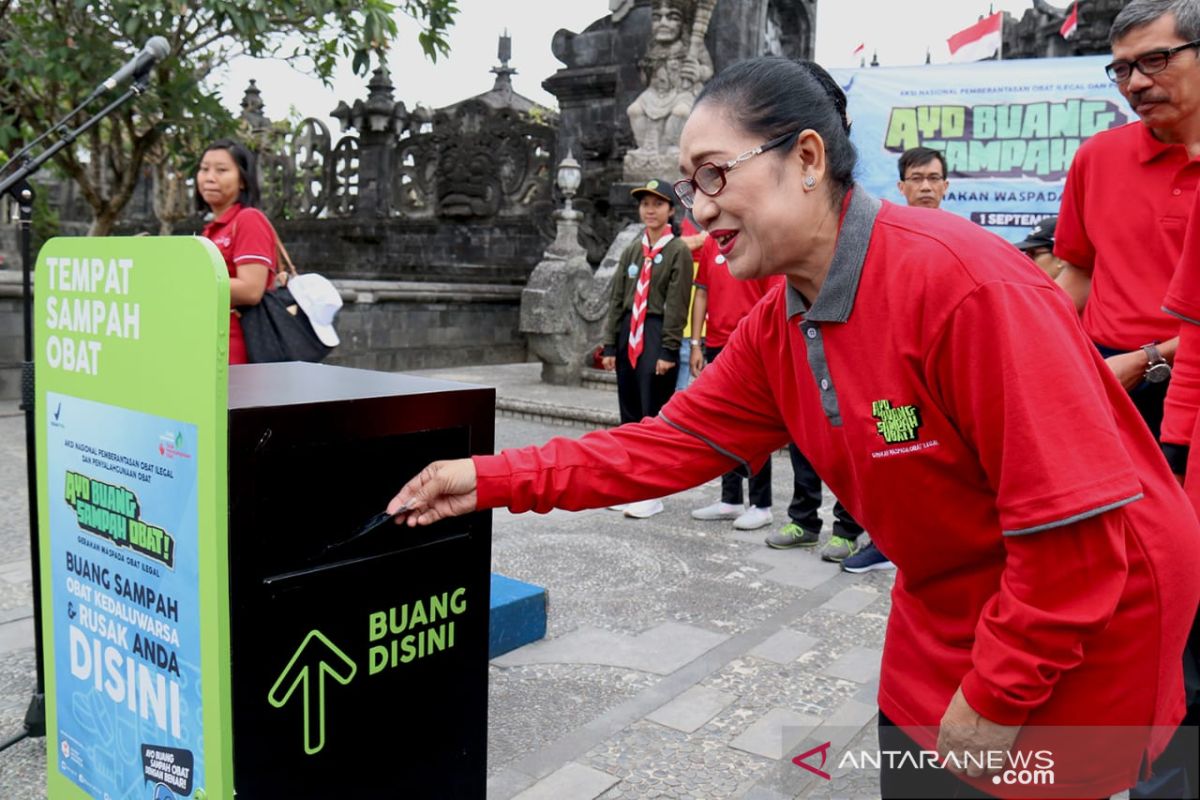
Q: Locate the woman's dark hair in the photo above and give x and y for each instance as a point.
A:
(772, 96)
(247, 171)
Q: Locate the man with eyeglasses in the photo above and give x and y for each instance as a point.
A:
(1120, 230)
(1128, 196)
(923, 177)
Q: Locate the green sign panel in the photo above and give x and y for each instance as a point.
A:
(131, 338)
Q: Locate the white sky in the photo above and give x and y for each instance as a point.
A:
(900, 30)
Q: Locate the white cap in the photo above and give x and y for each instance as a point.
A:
(320, 301)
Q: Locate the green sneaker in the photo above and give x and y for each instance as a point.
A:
(838, 549)
(792, 535)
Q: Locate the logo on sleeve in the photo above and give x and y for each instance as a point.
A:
(896, 425)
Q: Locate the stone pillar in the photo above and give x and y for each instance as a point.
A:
(376, 138)
(252, 110)
(557, 334)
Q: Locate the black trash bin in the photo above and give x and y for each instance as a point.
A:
(360, 668)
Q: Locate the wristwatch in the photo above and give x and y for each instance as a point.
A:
(1157, 368)
(695, 342)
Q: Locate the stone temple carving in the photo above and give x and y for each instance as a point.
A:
(675, 68)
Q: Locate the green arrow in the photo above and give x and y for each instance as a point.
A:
(324, 660)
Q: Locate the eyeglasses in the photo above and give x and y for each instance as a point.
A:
(1147, 63)
(709, 178)
(917, 180)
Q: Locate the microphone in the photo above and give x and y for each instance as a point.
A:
(155, 49)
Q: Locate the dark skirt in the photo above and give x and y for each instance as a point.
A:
(641, 393)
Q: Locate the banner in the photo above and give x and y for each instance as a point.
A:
(1008, 130)
(131, 337)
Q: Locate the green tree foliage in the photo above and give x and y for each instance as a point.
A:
(54, 52)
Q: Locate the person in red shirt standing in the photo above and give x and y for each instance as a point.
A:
(906, 357)
(1124, 214)
(1180, 442)
(719, 303)
(1127, 197)
(227, 186)
(725, 300)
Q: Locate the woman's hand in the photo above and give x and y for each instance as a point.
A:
(963, 729)
(696, 360)
(443, 489)
(663, 367)
(608, 362)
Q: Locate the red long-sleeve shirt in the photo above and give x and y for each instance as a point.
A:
(945, 390)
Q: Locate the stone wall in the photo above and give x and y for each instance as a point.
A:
(1036, 33)
(500, 251)
(390, 325)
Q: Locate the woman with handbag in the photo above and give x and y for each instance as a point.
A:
(227, 185)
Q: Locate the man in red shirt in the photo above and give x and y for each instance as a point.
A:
(1180, 441)
(1124, 213)
(1127, 199)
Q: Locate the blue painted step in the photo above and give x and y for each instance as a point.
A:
(518, 615)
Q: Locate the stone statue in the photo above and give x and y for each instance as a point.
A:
(675, 68)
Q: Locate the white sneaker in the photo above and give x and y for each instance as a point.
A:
(718, 511)
(644, 508)
(753, 519)
(618, 507)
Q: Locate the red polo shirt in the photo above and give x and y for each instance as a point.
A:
(244, 236)
(1181, 409)
(1046, 557)
(1124, 211)
(729, 299)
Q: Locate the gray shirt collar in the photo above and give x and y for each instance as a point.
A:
(836, 298)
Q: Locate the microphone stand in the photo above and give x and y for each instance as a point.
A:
(16, 185)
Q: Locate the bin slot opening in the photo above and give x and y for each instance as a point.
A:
(275, 580)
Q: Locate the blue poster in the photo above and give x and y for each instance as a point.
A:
(123, 530)
(1008, 130)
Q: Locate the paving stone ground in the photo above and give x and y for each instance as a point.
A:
(682, 659)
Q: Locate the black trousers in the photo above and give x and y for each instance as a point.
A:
(641, 393)
(806, 499)
(731, 482)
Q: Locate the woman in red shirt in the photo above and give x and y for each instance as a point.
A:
(1046, 556)
(227, 186)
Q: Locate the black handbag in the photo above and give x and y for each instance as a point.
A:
(277, 330)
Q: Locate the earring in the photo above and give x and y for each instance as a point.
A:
(810, 182)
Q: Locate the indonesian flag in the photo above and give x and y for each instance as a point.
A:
(977, 42)
(1071, 22)
(859, 50)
